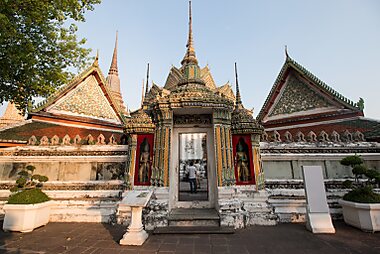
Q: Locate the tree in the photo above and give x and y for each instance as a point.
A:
(38, 47)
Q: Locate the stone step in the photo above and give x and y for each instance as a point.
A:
(193, 218)
(194, 230)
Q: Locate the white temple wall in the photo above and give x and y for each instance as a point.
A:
(66, 163)
(288, 166)
(77, 196)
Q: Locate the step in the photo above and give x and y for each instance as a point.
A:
(194, 230)
(194, 217)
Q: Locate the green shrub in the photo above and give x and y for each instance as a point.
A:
(364, 193)
(21, 182)
(377, 180)
(359, 170)
(347, 184)
(23, 173)
(27, 189)
(32, 196)
(372, 174)
(43, 179)
(35, 177)
(351, 161)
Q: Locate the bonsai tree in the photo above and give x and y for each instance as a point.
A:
(362, 191)
(28, 188)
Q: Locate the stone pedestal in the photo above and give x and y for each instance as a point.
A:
(136, 234)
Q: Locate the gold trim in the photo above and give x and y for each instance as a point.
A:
(166, 156)
(219, 154)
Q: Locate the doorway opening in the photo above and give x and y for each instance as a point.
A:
(192, 174)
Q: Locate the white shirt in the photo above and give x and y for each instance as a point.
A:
(192, 171)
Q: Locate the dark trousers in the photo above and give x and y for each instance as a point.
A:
(193, 185)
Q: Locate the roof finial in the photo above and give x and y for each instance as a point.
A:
(147, 80)
(113, 68)
(96, 61)
(190, 53)
(238, 98)
(286, 51)
(142, 92)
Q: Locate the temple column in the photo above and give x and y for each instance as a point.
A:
(163, 146)
(223, 147)
(155, 178)
(131, 162)
(259, 173)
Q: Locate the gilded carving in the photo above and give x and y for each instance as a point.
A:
(297, 97)
(193, 119)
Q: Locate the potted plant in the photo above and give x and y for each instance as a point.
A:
(27, 207)
(361, 205)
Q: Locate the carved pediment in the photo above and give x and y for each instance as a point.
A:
(297, 96)
(87, 100)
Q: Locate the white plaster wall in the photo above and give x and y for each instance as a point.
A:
(60, 167)
(288, 166)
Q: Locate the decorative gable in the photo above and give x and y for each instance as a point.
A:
(207, 77)
(297, 96)
(226, 91)
(173, 78)
(87, 100)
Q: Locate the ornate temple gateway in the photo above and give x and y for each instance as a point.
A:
(191, 142)
(191, 121)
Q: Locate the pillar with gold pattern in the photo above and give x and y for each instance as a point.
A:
(223, 147)
(164, 123)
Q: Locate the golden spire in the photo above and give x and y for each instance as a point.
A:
(113, 80)
(142, 93)
(190, 52)
(238, 97)
(113, 69)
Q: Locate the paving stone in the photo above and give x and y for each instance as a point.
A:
(100, 238)
(76, 250)
(168, 247)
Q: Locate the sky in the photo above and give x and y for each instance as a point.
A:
(338, 41)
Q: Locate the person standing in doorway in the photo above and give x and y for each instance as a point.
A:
(197, 165)
(192, 177)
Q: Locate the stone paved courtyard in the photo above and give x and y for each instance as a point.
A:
(103, 238)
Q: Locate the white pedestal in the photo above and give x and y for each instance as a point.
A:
(136, 235)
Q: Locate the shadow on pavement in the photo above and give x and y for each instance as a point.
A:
(5, 239)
